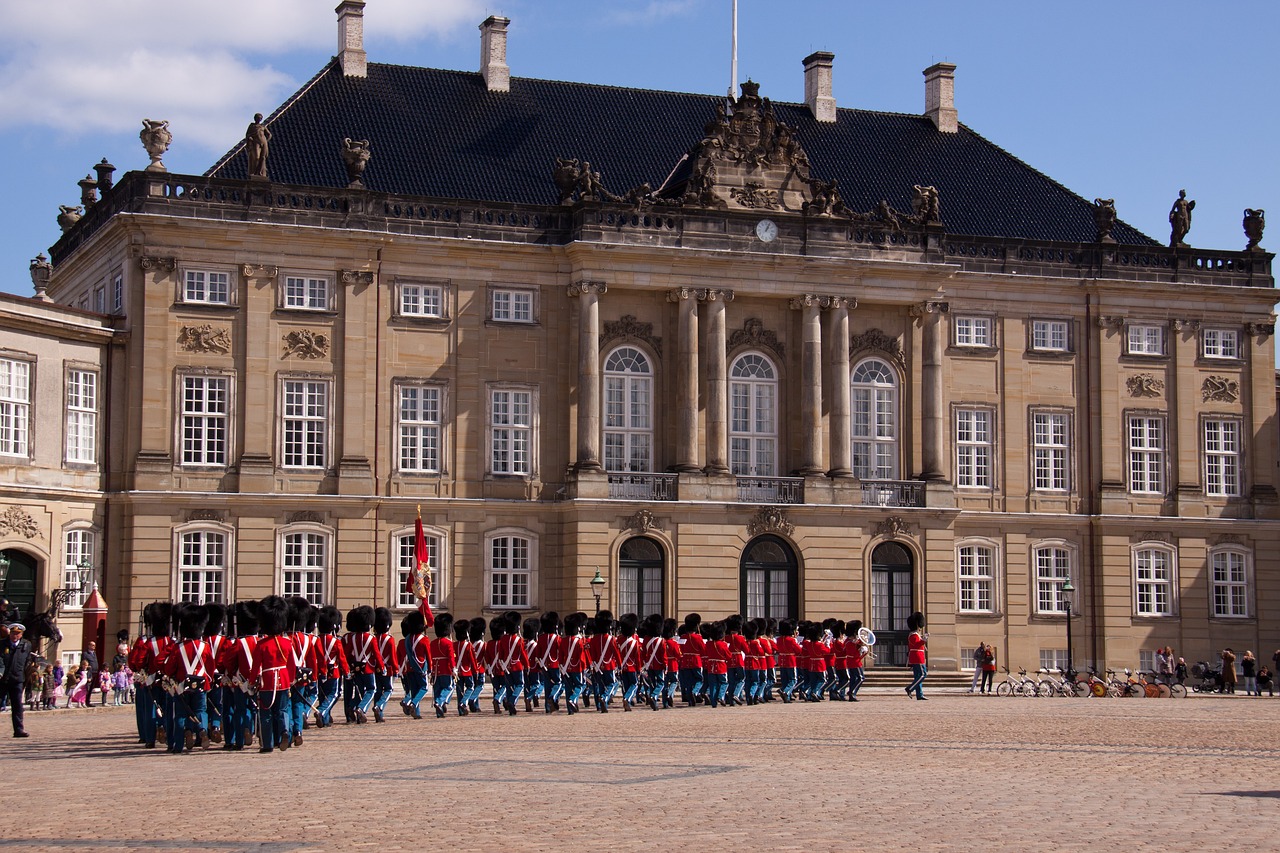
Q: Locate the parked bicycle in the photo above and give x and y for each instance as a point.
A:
(1020, 685)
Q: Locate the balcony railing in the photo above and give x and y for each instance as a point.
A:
(771, 490)
(893, 493)
(642, 487)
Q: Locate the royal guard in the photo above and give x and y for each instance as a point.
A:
(238, 665)
(548, 654)
(716, 656)
(415, 656)
(154, 663)
(838, 665)
(856, 650)
(217, 704)
(653, 652)
(629, 648)
(917, 654)
(533, 675)
(755, 663)
(789, 654)
(273, 673)
(384, 678)
(364, 659)
(331, 658)
(575, 660)
(511, 659)
(673, 662)
(144, 706)
(465, 669)
(188, 672)
(479, 651)
(737, 660)
(692, 647)
(444, 661)
(304, 694)
(830, 630)
(605, 660)
(814, 659)
(769, 642)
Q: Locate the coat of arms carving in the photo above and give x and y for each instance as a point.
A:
(305, 343)
(1144, 385)
(205, 338)
(770, 519)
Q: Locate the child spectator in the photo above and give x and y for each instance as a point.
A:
(48, 689)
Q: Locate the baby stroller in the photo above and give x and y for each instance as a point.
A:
(1208, 678)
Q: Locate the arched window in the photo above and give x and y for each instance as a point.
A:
(306, 555)
(874, 427)
(1232, 582)
(1155, 574)
(628, 411)
(769, 579)
(405, 555)
(510, 569)
(203, 559)
(1052, 562)
(753, 420)
(640, 577)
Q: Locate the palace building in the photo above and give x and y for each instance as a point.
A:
(728, 355)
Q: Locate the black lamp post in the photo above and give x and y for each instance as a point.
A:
(597, 589)
(1067, 590)
(4, 571)
(59, 597)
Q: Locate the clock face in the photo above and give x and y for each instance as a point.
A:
(767, 230)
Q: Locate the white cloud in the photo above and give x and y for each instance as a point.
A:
(654, 12)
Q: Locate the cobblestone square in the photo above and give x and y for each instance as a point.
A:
(957, 773)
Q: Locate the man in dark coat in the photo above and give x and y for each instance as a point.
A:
(90, 659)
(15, 652)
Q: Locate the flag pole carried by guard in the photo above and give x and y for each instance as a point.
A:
(420, 578)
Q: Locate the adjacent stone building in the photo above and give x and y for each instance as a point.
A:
(783, 359)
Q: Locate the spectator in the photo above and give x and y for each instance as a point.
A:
(988, 669)
(15, 652)
(1265, 681)
(1249, 672)
(123, 679)
(48, 689)
(977, 667)
(1228, 671)
(89, 661)
(78, 687)
(1180, 671)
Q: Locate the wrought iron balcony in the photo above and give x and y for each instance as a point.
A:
(642, 487)
(771, 490)
(893, 493)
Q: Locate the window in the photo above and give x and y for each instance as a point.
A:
(306, 418)
(204, 420)
(874, 411)
(1146, 660)
(78, 551)
(512, 306)
(82, 416)
(510, 571)
(1221, 458)
(973, 448)
(628, 411)
(1054, 660)
(305, 561)
(1153, 581)
(100, 300)
(1053, 569)
(640, 577)
(1230, 583)
(202, 566)
(967, 663)
(309, 293)
(208, 287)
(422, 300)
(1220, 343)
(15, 407)
(511, 431)
(117, 295)
(1146, 455)
(975, 567)
(973, 332)
(406, 556)
(1146, 340)
(753, 431)
(769, 579)
(1050, 336)
(420, 424)
(1049, 439)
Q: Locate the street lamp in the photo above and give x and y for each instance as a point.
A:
(59, 597)
(4, 570)
(597, 588)
(1067, 590)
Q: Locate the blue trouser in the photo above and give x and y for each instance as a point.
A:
(749, 679)
(363, 690)
(790, 680)
(145, 708)
(514, 687)
(573, 686)
(216, 707)
(499, 682)
(918, 672)
(239, 717)
(690, 684)
(814, 683)
(737, 682)
(415, 688)
(672, 679)
(717, 687)
(328, 690)
(657, 682)
(382, 690)
(301, 699)
(465, 685)
(603, 683)
(840, 682)
(273, 712)
(552, 686)
(477, 687)
(630, 685)
(756, 679)
(195, 705)
(856, 677)
(175, 721)
(441, 690)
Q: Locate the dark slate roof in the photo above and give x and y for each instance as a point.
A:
(441, 133)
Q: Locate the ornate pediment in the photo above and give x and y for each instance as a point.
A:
(876, 341)
(770, 519)
(754, 334)
(892, 527)
(629, 328)
(18, 520)
(642, 521)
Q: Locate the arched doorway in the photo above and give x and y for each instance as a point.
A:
(20, 588)
(640, 571)
(892, 597)
(769, 579)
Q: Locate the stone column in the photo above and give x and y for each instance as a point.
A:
(717, 381)
(810, 383)
(588, 293)
(686, 380)
(933, 465)
(841, 436)
(257, 377)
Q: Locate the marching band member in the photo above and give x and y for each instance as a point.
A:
(857, 652)
(755, 664)
(384, 678)
(837, 664)
(364, 660)
(815, 663)
(273, 674)
(737, 660)
(575, 661)
(768, 640)
(304, 695)
(917, 651)
(692, 648)
(444, 660)
(549, 654)
(465, 670)
(415, 657)
(332, 667)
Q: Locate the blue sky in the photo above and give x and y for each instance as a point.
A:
(1131, 101)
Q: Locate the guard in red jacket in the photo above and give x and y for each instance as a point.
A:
(305, 692)
(917, 654)
(549, 653)
(331, 659)
(715, 664)
(444, 661)
(465, 671)
(789, 654)
(653, 654)
(364, 659)
(384, 677)
(673, 662)
(575, 660)
(188, 679)
(273, 673)
(629, 648)
(692, 648)
(605, 660)
(153, 664)
(509, 663)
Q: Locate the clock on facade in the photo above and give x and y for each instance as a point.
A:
(767, 230)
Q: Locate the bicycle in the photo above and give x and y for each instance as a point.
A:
(1064, 685)
(1021, 686)
(1128, 687)
(1099, 687)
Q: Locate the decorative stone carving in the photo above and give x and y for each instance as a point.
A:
(642, 521)
(260, 271)
(257, 145)
(1221, 389)
(88, 191)
(804, 300)
(770, 519)
(68, 216)
(17, 520)
(754, 334)
(205, 338)
(826, 198)
(874, 340)
(575, 179)
(578, 288)
(149, 263)
(1254, 223)
(679, 293)
(1104, 219)
(1180, 220)
(1260, 330)
(41, 271)
(755, 196)
(355, 156)
(1110, 322)
(926, 204)
(1184, 325)
(830, 302)
(206, 515)
(304, 343)
(708, 295)
(305, 516)
(155, 138)
(1144, 385)
(1152, 536)
(105, 171)
(893, 526)
(629, 328)
(1227, 539)
(364, 277)
(929, 307)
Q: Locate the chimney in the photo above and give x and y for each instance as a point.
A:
(351, 55)
(817, 85)
(493, 54)
(940, 96)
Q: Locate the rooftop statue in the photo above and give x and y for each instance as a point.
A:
(355, 155)
(1180, 220)
(257, 139)
(1104, 218)
(1254, 223)
(155, 138)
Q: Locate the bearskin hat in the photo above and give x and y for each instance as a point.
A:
(915, 621)
(246, 618)
(122, 636)
(573, 623)
(733, 624)
(628, 624)
(693, 620)
(604, 621)
(443, 626)
(329, 619)
(668, 629)
(298, 607)
(216, 618)
(786, 627)
(360, 619)
(499, 628)
(853, 626)
(273, 615)
(751, 631)
(461, 628)
(161, 619)
(530, 628)
(413, 624)
(381, 620)
(309, 621)
(549, 622)
(475, 628)
(191, 620)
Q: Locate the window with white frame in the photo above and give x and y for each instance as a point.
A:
(15, 407)
(1146, 660)
(304, 564)
(1230, 569)
(406, 562)
(1050, 442)
(1053, 569)
(78, 545)
(1221, 457)
(973, 448)
(306, 292)
(209, 287)
(975, 570)
(117, 294)
(1050, 336)
(509, 305)
(510, 572)
(753, 420)
(1146, 454)
(1153, 573)
(874, 420)
(1145, 339)
(202, 566)
(967, 663)
(628, 411)
(205, 418)
(422, 300)
(973, 331)
(1220, 343)
(82, 416)
(511, 431)
(100, 299)
(420, 427)
(306, 423)
(1054, 660)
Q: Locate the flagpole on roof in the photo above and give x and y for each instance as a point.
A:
(733, 66)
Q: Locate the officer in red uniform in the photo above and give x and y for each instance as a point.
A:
(575, 660)
(364, 659)
(305, 693)
(605, 660)
(917, 654)
(187, 670)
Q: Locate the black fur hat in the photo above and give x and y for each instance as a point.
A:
(413, 624)
(853, 626)
(381, 620)
(246, 618)
(549, 622)
(915, 621)
(161, 619)
(693, 620)
(786, 628)
(530, 629)
(273, 615)
(499, 628)
(573, 623)
(329, 619)
(360, 619)
(122, 636)
(461, 628)
(714, 631)
(628, 623)
(313, 615)
(475, 628)
(733, 624)
(444, 625)
(668, 629)
(216, 618)
(191, 621)
(751, 631)
(298, 607)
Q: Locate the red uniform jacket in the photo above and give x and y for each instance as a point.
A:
(629, 650)
(692, 651)
(789, 650)
(331, 656)
(480, 656)
(509, 655)
(305, 655)
(273, 664)
(417, 646)
(138, 654)
(466, 659)
(444, 659)
(603, 650)
(655, 654)
(755, 655)
(387, 651)
(240, 657)
(737, 650)
(715, 658)
(673, 654)
(191, 659)
(157, 656)
(857, 651)
(362, 653)
(549, 651)
(916, 647)
(815, 656)
(574, 656)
